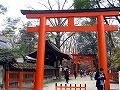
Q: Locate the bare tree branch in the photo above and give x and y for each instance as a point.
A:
(71, 6)
(49, 4)
(51, 22)
(62, 23)
(63, 4)
(28, 6)
(58, 5)
(44, 5)
(67, 38)
(110, 3)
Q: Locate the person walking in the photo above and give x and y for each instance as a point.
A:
(100, 79)
(75, 74)
(81, 73)
(91, 75)
(66, 75)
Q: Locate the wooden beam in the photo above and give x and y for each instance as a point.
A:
(79, 14)
(73, 28)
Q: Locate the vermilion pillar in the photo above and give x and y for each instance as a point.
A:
(102, 49)
(39, 75)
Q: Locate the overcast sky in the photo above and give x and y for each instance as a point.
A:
(14, 6)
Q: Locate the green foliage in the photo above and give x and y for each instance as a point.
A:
(87, 41)
(84, 4)
(115, 59)
(20, 51)
(6, 56)
(4, 50)
(16, 52)
(24, 39)
(89, 22)
(11, 26)
(27, 38)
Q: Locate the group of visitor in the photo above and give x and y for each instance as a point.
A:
(82, 73)
(99, 76)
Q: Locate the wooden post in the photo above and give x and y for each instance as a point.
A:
(60, 86)
(65, 86)
(70, 87)
(20, 80)
(7, 80)
(80, 86)
(75, 86)
(39, 75)
(55, 86)
(102, 49)
(85, 86)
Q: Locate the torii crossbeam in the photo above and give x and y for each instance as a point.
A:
(43, 15)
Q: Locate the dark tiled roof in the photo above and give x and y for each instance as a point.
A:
(51, 51)
(29, 66)
(57, 51)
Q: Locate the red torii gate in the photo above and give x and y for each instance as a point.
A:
(43, 15)
(83, 57)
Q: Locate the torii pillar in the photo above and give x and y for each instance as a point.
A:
(70, 14)
(102, 59)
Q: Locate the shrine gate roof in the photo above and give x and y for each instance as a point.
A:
(24, 12)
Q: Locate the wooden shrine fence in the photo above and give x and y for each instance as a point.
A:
(70, 87)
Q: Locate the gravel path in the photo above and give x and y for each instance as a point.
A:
(85, 80)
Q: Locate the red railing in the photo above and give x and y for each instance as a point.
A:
(70, 87)
(19, 80)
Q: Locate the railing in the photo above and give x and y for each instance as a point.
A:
(19, 80)
(22, 80)
(70, 87)
(114, 77)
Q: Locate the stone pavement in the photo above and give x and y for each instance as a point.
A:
(90, 84)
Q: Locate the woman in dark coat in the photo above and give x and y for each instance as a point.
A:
(75, 74)
(100, 78)
(66, 75)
